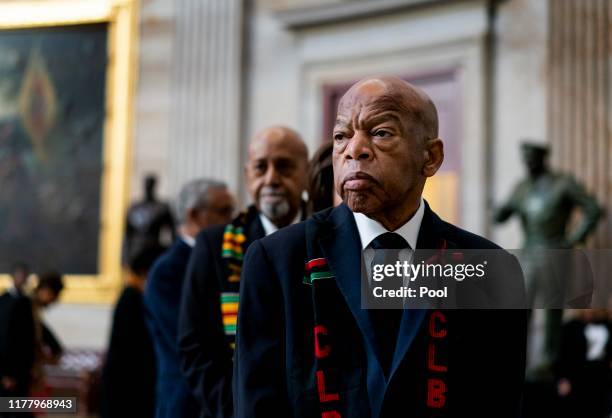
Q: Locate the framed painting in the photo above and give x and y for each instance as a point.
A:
(67, 75)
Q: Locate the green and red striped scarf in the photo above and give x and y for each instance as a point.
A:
(232, 252)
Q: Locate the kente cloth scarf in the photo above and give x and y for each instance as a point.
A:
(428, 356)
(232, 253)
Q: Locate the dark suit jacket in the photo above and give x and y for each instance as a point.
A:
(162, 300)
(16, 342)
(573, 363)
(128, 376)
(275, 369)
(590, 380)
(204, 348)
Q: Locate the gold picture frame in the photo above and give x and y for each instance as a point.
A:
(121, 17)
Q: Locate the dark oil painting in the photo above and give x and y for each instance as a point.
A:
(52, 94)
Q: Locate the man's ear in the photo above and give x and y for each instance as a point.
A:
(306, 176)
(434, 156)
(191, 215)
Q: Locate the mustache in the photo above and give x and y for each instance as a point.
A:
(359, 175)
(272, 191)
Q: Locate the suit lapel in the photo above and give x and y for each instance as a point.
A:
(430, 237)
(341, 247)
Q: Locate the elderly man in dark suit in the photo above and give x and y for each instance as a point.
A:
(276, 177)
(201, 203)
(306, 348)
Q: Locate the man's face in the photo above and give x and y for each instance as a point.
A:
(20, 277)
(276, 176)
(219, 211)
(46, 296)
(377, 156)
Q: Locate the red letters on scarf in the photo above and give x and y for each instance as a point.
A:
(436, 388)
(322, 351)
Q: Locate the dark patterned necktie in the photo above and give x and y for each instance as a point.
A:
(387, 321)
(389, 241)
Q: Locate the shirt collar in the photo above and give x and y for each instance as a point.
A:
(188, 240)
(269, 227)
(369, 229)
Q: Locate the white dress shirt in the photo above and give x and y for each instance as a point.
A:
(597, 336)
(369, 229)
(270, 228)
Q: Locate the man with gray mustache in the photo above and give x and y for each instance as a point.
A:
(275, 175)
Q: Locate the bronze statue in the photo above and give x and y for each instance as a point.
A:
(146, 224)
(544, 202)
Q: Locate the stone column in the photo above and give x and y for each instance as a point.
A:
(580, 97)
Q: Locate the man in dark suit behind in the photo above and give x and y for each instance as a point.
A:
(16, 337)
(201, 203)
(306, 348)
(276, 176)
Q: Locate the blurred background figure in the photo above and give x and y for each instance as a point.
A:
(20, 275)
(584, 366)
(149, 229)
(200, 204)
(128, 375)
(545, 202)
(321, 192)
(16, 337)
(27, 344)
(48, 348)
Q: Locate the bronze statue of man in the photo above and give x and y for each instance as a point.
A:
(545, 201)
(146, 223)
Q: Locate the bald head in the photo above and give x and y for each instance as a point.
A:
(385, 146)
(276, 173)
(412, 104)
(279, 135)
